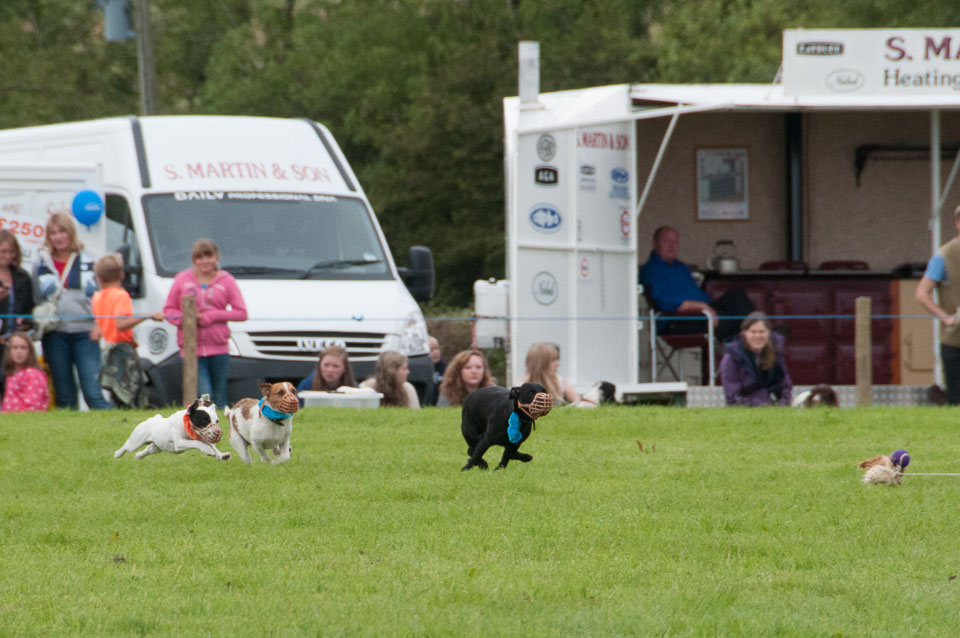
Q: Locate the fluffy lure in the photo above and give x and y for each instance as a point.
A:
(885, 470)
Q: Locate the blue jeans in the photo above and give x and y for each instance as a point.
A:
(950, 360)
(212, 378)
(64, 350)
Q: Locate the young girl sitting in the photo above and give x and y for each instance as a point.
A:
(26, 385)
(543, 364)
(753, 370)
(333, 371)
(467, 372)
(390, 379)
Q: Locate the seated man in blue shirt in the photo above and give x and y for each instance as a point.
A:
(670, 284)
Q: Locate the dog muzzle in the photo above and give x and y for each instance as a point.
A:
(540, 406)
(290, 404)
(210, 434)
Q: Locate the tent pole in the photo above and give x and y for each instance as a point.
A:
(794, 126)
(656, 162)
(935, 225)
(947, 185)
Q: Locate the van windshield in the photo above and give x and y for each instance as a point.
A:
(267, 235)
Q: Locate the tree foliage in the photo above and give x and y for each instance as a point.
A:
(412, 89)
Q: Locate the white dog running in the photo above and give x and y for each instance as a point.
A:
(195, 428)
(264, 424)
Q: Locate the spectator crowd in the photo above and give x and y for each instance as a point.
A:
(79, 311)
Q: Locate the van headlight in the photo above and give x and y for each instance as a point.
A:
(413, 337)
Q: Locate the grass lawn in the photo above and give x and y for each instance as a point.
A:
(730, 522)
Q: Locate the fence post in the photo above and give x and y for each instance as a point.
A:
(864, 355)
(189, 307)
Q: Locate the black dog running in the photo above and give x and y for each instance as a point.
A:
(501, 416)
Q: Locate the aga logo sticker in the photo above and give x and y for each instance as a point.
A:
(545, 175)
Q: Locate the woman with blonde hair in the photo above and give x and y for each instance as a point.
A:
(465, 373)
(390, 379)
(543, 364)
(64, 273)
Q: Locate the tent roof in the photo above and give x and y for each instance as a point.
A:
(620, 102)
(771, 97)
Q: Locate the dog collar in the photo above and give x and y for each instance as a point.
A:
(272, 414)
(188, 427)
(513, 428)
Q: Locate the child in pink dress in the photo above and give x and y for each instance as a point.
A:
(26, 384)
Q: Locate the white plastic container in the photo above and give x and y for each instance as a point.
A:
(314, 398)
(490, 299)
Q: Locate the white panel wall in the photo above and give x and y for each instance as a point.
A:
(571, 249)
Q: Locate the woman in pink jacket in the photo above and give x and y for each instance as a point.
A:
(218, 301)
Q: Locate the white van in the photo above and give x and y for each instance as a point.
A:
(278, 197)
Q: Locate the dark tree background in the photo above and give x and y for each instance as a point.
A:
(412, 89)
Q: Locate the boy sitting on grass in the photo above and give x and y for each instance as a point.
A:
(120, 372)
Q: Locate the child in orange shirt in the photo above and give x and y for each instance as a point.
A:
(113, 310)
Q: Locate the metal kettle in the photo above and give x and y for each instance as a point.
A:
(724, 257)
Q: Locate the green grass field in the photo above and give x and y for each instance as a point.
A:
(730, 522)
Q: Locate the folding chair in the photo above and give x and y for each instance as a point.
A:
(667, 347)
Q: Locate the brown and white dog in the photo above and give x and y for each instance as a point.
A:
(194, 428)
(265, 423)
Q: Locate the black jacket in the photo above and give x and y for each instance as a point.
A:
(22, 300)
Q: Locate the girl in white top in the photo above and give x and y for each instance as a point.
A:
(390, 379)
(543, 361)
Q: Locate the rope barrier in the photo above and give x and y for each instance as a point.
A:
(641, 318)
(931, 474)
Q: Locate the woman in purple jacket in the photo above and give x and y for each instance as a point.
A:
(753, 371)
(218, 301)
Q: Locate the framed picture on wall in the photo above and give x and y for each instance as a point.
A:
(723, 192)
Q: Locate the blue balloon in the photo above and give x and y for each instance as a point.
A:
(87, 207)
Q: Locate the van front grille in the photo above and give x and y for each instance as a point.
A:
(306, 346)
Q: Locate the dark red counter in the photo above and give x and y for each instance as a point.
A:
(820, 347)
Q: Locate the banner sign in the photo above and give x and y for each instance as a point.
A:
(31, 193)
(871, 62)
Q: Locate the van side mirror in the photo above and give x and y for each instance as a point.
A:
(132, 273)
(419, 276)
